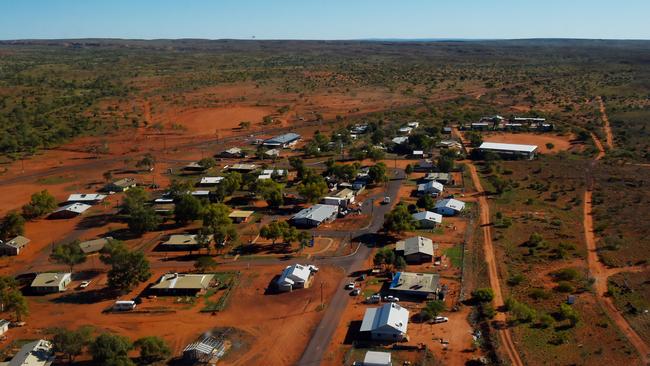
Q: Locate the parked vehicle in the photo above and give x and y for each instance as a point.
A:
(350, 286)
(355, 292)
(386, 200)
(391, 298)
(85, 284)
(124, 305)
(440, 319)
(373, 299)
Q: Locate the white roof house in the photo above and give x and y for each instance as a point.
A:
(295, 276)
(413, 124)
(37, 353)
(388, 322)
(400, 140)
(85, 197)
(51, 282)
(374, 358)
(210, 180)
(405, 130)
(431, 187)
(70, 210)
(427, 218)
(449, 206)
(415, 245)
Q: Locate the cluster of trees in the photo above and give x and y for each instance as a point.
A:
(40, 204)
(399, 219)
(271, 191)
(367, 152)
(11, 299)
(318, 145)
(128, 267)
(386, 258)
(282, 230)
(140, 217)
(312, 187)
(108, 349)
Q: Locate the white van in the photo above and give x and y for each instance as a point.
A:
(124, 305)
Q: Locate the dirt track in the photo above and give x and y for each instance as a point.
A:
(599, 272)
(608, 129)
(504, 333)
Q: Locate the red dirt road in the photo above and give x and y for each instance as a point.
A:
(608, 129)
(504, 333)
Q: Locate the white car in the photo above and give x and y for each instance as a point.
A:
(440, 319)
(374, 299)
(350, 286)
(84, 284)
(391, 298)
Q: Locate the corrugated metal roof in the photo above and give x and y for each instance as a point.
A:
(508, 147)
(318, 213)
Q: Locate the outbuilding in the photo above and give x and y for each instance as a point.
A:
(69, 211)
(374, 358)
(87, 198)
(13, 246)
(295, 276)
(183, 242)
(239, 216)
(283, 141)
(95, 245)
(120, 185)
(185, 284)
(433, 188)
(4, 326)
(427, 219)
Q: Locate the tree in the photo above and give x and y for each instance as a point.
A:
(186, 209)
(378, 173)
(71, 343)
(303, 238)
(217, 223)
(271, 191)
(69, 254)
(111, 349)
(244, 125)
(445, 164)
(152, 349)
(568, 312)
(521, 313)
(11, 299)
(134, 199)
(143, 219)
(128, 268)
(313, 188)
(179, 187)
(409, 169)
(147, 161)
(274, 230)
(485, 294)
(12, 225)
(40, 204)
(399, 219)
(290, 234)
(475, 138)
(207, 163)
(426, 202)
(400, 263)
(108, 176)
(432, 309)
(298, 165)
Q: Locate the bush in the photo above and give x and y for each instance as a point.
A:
(41, 204)
(516, 279)
(483, 295)
(538, 294)
(521, 313)
(564, 286)
(566, 274)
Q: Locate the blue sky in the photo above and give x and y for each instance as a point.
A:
(326, 19)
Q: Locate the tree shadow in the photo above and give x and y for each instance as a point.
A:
(86, 297)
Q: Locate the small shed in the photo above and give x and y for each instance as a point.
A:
(13, 246)
(239, 216)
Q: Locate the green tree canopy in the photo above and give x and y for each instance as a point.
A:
(485, 294)
(71, 343)
(152, 349)
(111, 349)
(41, 203)
(128, 268)
(12, 225)
(378, 173)
(271, 191)
(399, 219)
(69, 254)
(187, 208)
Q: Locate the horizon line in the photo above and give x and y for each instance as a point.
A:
(370, 39)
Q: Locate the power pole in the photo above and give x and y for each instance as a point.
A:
(321, 294)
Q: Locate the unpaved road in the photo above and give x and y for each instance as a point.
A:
(505, 336)
(608, 130)
(600, 273)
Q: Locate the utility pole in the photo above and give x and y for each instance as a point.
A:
(321, 294)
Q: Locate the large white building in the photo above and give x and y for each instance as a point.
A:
(295, 276)
(432, 187)
(509, 150)
(449, 207)
(315, 215)
(388, 322)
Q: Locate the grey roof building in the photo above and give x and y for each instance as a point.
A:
(13, 246)
(182, 283)
(95, 245)
(69, 211)
(284, 140)
(415, 284)
(37, 353)
(388, 322)
(51, 282)
(416, 249)
(315, 215)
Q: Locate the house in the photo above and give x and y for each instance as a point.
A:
(386, 323)
(343, 198)
(427, 219)
(194, 167)
(359, 129)
(400, 140)
(283, 141)
(431, 187)
(183, 242)
(233, 152)
(207, 350)
(405, 130)
(513, 126)
(443, 178)
(13, 246)
(95, 245)
(272, 153)
(529, 119)
(415, 284)
(424, 165)
(449, 207)
(374, 358)
(47, 283)
(36, 353)
(69, 211)
(210, 181)
(480, 125)
(120, 185)
(164, 208)
(315, 215)
(413, 124)
(239, 216)
(449, 144)
(242, 168)
(87, 198)
(201, 193)
(295, 276)
(4, 326)
(271, 174)
(417, 249)
(446, 130)
(185, 284)
(509, 150)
